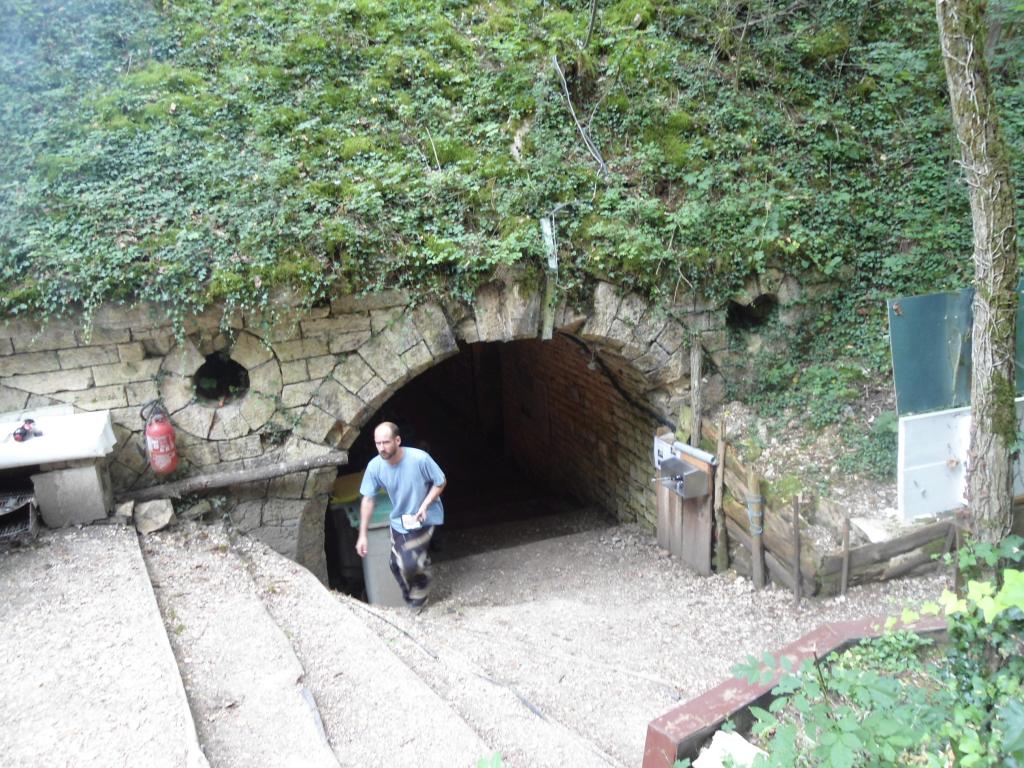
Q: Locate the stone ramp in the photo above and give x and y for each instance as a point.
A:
(368, 664)
(240, 672)
(89, 678)
(519, 729)
(377, 710)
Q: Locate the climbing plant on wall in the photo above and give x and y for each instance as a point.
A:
(188, 152)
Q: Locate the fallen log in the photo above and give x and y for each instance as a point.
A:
(202, 483)
(869, 555)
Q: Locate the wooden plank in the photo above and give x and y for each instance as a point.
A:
(740, 548)
(780, 545)
(695, 523)
(901, 565)
(776, 570)
(844, 581)
(734, 479)
(676, 515)
(872, 554)
(696, 535)
(664, 529)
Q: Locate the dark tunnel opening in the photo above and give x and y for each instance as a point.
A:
(524, 431)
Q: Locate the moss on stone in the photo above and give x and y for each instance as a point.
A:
(782, 490)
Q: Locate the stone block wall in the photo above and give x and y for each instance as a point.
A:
(566, 424)
(317, 375)
(314, 377)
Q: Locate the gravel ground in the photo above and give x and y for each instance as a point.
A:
(598, 632)
(359, 685)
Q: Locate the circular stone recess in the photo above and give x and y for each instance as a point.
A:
(220, 380)
(205, 417)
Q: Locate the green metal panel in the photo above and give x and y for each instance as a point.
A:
(930, 339)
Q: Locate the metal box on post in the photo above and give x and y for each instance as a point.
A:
(685, 520)
(685, 480)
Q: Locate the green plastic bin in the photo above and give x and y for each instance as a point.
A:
(381, 587)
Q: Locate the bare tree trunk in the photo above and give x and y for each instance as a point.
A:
(203, 483)
(987, 170)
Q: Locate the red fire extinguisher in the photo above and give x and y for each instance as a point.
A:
(160, 448)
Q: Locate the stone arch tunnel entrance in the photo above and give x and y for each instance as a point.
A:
(540, 431)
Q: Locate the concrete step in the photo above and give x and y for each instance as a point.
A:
(390, 696)
(376, 710)
(89, 676)
(243, 680)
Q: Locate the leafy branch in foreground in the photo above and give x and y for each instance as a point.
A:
(900, 699)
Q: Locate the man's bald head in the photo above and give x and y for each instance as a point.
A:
(388, 442)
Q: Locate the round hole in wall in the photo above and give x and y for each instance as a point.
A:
(752, 315)
(220, 380)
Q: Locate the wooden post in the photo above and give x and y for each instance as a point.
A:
(721, 534)
(755, 511)
(696, 392)
(844, 580)
(796, 550)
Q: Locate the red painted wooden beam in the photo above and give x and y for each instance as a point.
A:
(682, 731)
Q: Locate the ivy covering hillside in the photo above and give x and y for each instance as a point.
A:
(188, 152)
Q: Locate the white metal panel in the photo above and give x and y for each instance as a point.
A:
(932, 462)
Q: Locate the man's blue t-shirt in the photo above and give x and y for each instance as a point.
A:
(407, 483)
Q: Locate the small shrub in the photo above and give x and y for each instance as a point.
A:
(871, 453)
(898, 700)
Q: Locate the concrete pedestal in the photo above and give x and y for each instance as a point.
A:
(73, 496)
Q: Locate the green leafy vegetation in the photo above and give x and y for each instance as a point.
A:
(900, 699)
(185, 152)
(190, 152)
(871, 452)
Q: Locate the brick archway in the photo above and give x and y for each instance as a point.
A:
(316, 376)
(647, 352)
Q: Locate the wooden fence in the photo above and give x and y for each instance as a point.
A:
(820, 573)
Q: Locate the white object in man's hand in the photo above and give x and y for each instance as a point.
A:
(411, 522)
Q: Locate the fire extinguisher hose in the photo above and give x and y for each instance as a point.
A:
(151, 409)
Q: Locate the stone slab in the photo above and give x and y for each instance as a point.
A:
(242, 677)
(354, 676)
(32, 362)
(89, 676)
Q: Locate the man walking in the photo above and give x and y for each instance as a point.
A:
(414, 482)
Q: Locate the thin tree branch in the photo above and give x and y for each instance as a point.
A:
(591, 147)
(433, 149)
